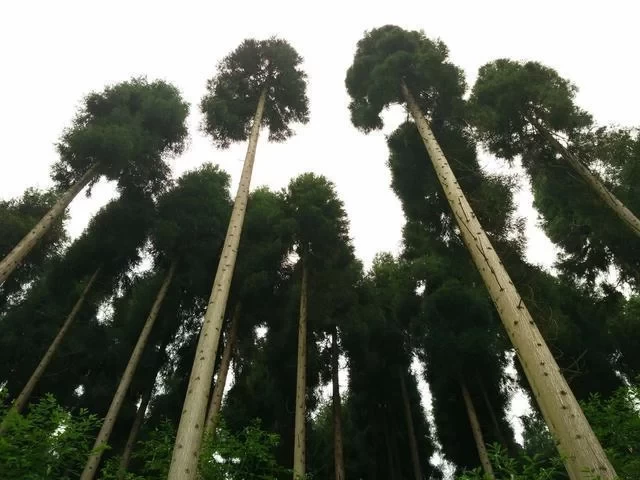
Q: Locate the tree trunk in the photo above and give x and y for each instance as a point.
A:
(477, 432)
(591, 179)
(216, 398)
(494, 418)
(22, 249)
(102, 439)
(338, 450)
(21, 400)
(573, 435)
(135, 429)
(387, 441)
(184, 461)
(413, 443)
(299, 445)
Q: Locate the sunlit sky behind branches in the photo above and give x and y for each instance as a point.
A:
(54, 53)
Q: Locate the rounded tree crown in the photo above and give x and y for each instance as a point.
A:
(389, 55)
(193, 216)
(128, 129)
(232, 95)
(508, 96)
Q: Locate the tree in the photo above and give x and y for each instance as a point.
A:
(190, 219)
(391, 66)
(17, 216)
(92, 268)
(321, 229)
(528, 109)
(124, 134)
(264, 75)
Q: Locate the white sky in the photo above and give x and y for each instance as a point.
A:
(53, 53)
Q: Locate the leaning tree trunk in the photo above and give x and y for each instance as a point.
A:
(218, 391)
(477, 432)
(21, 400)
(591, 179)
(413, 443)
(574, 437)
(102, 439)
(338, 450)
(135, 429)
(22, 249)
(184, 461)
(300, 440)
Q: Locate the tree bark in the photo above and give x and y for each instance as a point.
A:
(338, 449)
(387, 441)
(21, 400)
(218, 391)
(591, 179)
(135, 429)
(184, 461)
(574, 437)
(494, 418)
(299, 444)
(91, 467)
(413, 443)
(477, 432)
(22, 249)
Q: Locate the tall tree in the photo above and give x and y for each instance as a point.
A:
(515, 101)
(321, 230)
(123, 134)
(264, 75)
(393, 66)
(17, 216)
(93, 268)
(190, 220)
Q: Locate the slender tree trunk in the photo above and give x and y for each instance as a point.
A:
(184, 461)
(591, 179)
(494, 418)
(135, 429)
(574, 437)
(477, 431)
(387, 441)
(21, 400)
(413, 443)
(300, 440)
(218, 390)
(22, 249)
(338, 450)
(102, 439)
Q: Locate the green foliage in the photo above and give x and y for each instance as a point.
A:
(17, 217)
(523, 468)
(389, 55)
(48, 442)
(232, 96)
(508, 96)
(128, 129)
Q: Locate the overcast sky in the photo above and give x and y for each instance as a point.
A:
(54, 53)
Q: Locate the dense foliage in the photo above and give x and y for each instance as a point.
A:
(377, 336)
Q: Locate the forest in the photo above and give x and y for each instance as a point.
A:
(190, 333)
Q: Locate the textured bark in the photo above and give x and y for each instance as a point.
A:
(300, 440)
(574, 437)
(184, 460)
(135, 429)
(477, 432)
(338, 450)
(591, 179)
(218, 391)
(91, 467)
(413, 443)
(21, 400)
(22, 249)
